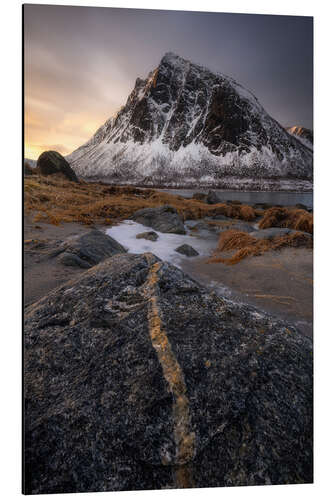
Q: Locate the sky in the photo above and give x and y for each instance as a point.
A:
(81, 63)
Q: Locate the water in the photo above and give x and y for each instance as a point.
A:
(164, 247)
(252, 197)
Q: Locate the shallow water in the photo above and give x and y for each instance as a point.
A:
(164, 247)
(241, 283)
(252, 197)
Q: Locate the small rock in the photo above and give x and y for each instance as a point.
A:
(70, 259)
(164, 219)
(213, 198)
(148, 235)
(187, 250)
(272, 232)
(243, 226)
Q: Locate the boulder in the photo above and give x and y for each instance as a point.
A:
(187, 250)
(91, 247)
(148, 235)
(137, 377)
(213, 198)
(52, 162)
(164, 219)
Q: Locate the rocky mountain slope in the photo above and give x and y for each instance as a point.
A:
(185, 125)
(305, 135)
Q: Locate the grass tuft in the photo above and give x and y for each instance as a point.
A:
(247, 245)
(293, 218)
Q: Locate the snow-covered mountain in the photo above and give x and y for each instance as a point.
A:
(305, 135)
(185, 125)
(31, 163)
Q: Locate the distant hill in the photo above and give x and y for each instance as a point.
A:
(31, 163)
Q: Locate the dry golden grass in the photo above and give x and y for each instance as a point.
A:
(247, 245)
(55, 200)
(293, 218)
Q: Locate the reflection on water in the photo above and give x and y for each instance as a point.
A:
(252, 197)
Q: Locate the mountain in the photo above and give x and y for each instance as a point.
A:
(31, 163)
(185, 125)
(305, 135)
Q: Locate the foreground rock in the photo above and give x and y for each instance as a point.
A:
(52, 162)
(148, 235)
(187, 250)
(136, 377)
(88, 249)
(164, 219)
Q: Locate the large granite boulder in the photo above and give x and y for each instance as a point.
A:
(52, 162)
(164, 219)
(87, 250)
(137, 377)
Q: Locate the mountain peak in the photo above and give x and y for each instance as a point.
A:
(186, 122)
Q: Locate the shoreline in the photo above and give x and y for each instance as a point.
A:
(193, 187)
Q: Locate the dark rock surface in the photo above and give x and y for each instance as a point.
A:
(136, 377)
(243, 226)
(272, 232)
(219, 224)
(52, 162)
(187, 250)
(148, 235)
(213, 198)
(92, 247)
(164, 219)
(71, 259)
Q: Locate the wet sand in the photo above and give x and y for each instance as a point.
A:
(42, 274)
(280, 282)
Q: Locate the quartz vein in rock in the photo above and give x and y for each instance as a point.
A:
(184, 438)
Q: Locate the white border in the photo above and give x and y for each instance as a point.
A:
(10, 124)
